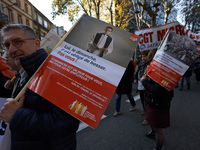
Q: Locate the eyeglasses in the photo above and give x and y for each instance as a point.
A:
(16, 42)
(6, 59)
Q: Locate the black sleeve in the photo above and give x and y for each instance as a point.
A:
(4, 92)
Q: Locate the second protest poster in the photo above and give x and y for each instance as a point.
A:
(175, 55)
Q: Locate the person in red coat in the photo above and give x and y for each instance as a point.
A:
(158, 101)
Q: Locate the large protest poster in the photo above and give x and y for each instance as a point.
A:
(78, 81)
(174, 56)
(152, 37)
(5, 68)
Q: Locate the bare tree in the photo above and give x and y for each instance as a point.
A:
(117, 12)
(148, 10)
(109, 6)
(190, 14)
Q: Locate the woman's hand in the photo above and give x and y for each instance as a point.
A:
(144, 77)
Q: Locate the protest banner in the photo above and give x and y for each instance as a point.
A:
(80, 82)
(173, 57)
(5, 68)
(151, 37)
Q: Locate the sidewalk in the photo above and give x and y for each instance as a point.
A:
(125, 132)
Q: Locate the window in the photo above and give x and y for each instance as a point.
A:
(26, 8)
(18, 2)
(2, 7)
(36, 32)
(35, 15)
(10, 15)
(49, 26)
(27, 22)
(42, 35)
(20, 19)
(40, 20)
(45, 24)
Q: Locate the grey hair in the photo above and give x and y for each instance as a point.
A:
(27, 30)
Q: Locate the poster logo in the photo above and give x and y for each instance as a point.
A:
(134, 37)
(78, 108)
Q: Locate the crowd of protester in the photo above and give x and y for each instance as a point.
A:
(47, 131)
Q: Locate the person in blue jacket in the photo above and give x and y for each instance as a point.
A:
(34, 122)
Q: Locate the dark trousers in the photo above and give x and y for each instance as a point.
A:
(118, 101)
(182, 82)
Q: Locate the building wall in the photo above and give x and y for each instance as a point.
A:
(41, 24)
(20, 13)
(25, 13)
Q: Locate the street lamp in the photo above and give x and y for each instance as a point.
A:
(154, 15)
(147, 10)
(16, 4)
(2, 15)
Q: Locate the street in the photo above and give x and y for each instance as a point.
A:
(126, 132)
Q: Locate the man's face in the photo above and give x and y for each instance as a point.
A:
(28, 45)
(11, 63)
(144, 58)
(107, 31)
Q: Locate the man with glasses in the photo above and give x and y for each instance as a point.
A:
(101, 44)
(35, 123)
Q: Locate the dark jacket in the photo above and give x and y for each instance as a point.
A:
(157, 96)
(188, 73)
(39, 124)
(141, 70)
(197, 66)
(108, 40)
(125, 85)
(4, 92)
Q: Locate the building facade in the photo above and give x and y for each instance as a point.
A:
(15, 12)
(23, 12)
(41, 24)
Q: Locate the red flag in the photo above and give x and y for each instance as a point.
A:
(198, 48)
(5, 68)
